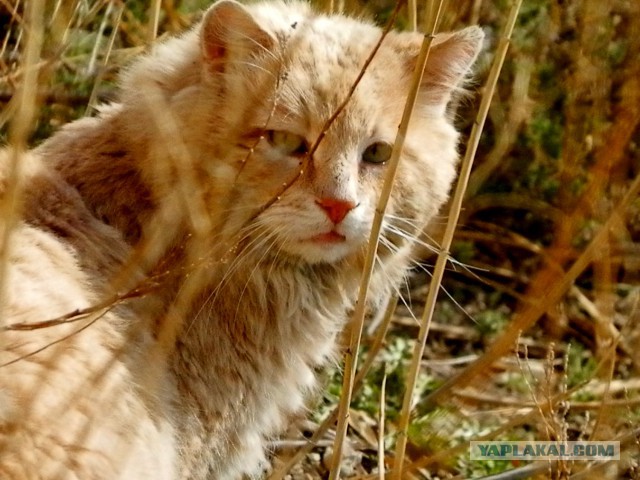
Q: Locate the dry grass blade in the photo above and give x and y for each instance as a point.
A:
(432, 15)
(12, 9)
(412, 5)
(25, 104)
(154, 20)
(99, 36)
(356, 325)
(535, 411)
(91, 103)
(551, 223)
(534, 311)
(517, 114)
(381, 420)
(454, 213)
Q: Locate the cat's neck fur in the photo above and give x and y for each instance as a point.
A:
(284, 327)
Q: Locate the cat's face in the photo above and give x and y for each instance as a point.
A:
(282, 80)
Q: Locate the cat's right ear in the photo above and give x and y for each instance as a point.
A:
(229, 31)
(450, 60)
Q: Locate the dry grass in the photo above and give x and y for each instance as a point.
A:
(547, 348)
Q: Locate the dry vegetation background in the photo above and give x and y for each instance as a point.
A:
(536, 334)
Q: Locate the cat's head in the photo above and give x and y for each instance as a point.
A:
(276, 73)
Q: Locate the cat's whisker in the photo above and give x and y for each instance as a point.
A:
(255, 44)
(420, 266)
(391, 219)
(273, 238)
(423, 268)
(236, 262)
(396, 289)
(394, 219)
(436, 250)
(410, 238)
(228, 276)
(246, 285)
(255, 66)
(415, 226)
(256, 242)
(277, 253)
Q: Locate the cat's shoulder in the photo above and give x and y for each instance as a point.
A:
(52, 219)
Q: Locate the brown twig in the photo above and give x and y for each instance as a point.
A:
(356, 325)
(21, 127)
(454, 212)
(556, 288)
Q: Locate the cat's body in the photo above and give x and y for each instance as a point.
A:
(226, 257)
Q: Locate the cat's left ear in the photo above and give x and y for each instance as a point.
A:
(229, 32)
(450, 60)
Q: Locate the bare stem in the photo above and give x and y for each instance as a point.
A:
(154, 21)
(19, 134)
(441, 261)
(413, 14)
(534, 311)
(356, 325)
(381, 420)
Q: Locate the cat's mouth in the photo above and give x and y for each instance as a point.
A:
(330, 237)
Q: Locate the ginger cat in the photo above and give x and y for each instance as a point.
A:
(185, 260)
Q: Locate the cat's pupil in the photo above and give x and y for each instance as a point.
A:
(287, 142)
(378, 152)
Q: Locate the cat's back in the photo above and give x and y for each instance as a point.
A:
(67, 400)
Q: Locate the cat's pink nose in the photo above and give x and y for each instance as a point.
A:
(335, 208)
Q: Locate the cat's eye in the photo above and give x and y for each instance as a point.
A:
(378, 152)
(289, 143)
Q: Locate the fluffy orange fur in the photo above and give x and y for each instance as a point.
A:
(195, 258)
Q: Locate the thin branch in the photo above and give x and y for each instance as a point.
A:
(18, 135)
(78, 314)
(441, 261)
(97, 317)
(534, 311)
(357, 322)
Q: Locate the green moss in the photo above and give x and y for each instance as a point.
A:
(581, 366)
(546, 130)
(491, 321)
